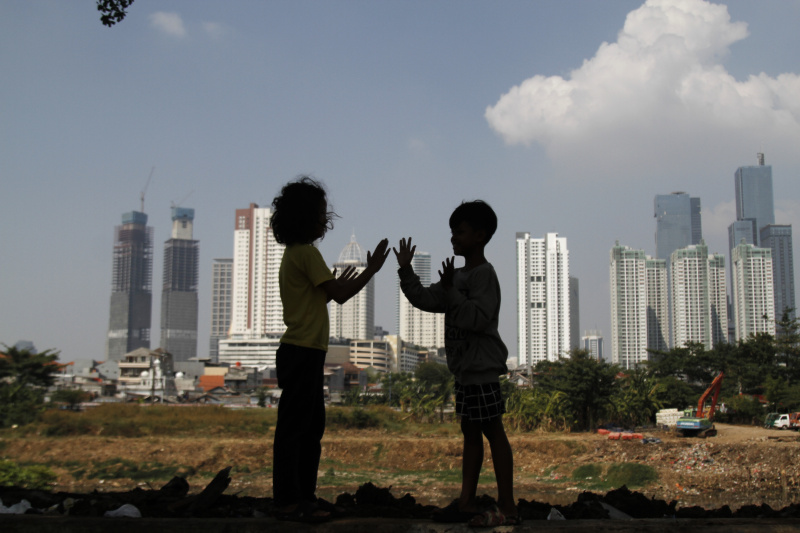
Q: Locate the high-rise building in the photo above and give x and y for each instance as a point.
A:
(778, 238)
(256, 311)
(131, 287)
(678, 223)
(754, 200)
(592, 342)
(221, 300)
(543, 298)
(753, 296)
(655, 271)
(628, 306)
(699, 309)
(355, 319)
(574, 308)
(413, 325)
(179, 288)
(638, 305)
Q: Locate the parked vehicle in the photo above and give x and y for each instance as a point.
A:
(787, 421)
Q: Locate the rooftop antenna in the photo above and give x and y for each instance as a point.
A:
(141, 196)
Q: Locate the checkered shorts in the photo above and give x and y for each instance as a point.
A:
(479, 402)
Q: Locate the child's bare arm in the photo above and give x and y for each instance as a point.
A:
(348, 284)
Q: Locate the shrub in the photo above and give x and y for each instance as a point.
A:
(27, 477)
(631, 475)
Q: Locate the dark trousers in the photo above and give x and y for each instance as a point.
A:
(301, 424)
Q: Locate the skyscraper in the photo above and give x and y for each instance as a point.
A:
(678, 223)
(778, 238)
(221, 300)
(753, 297)
(355, 319)
(699, 307)
(256, 312)
(131, 287)
(638, 305)
(179, 289)
(543, 298)
(754, 200)
(413, 325)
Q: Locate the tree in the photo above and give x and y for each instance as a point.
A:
(586, 383)
(24, 377)
(787, 345)
(636, 399)
(435, 380)
(113, 11)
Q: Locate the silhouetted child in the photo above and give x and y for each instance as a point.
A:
(300, 218)
(470, 299)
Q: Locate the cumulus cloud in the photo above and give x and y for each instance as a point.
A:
(169, 23)
(658, 93)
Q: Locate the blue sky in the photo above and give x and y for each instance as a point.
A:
(565, 116)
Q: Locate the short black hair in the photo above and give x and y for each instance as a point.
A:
(295, 215)
(478, 214)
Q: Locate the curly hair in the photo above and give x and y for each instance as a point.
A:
(296, 212)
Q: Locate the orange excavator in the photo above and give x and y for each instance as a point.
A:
(702, 423)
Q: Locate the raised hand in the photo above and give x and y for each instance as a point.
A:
(347, 274)
(447, 272)
(406, 253)
(376, 258)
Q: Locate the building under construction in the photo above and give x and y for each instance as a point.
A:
(179, 292)
(131, 287)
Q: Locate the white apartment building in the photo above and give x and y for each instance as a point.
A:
(699, 311)
(355, 319)
(415, 326)
(256, 309)
(655, 271)
(628, 284)
(753, 296)
(543, 298)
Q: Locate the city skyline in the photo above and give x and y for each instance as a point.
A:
(403, 110)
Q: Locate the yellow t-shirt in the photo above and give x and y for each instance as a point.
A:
(305, 310)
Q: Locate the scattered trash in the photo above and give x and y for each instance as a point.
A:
(17, 508)
(127, 511)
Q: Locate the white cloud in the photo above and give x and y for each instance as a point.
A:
(658, 94)
(169, 23)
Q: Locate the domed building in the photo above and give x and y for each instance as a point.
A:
(355, 319)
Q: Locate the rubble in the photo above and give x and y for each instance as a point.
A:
(173, 501)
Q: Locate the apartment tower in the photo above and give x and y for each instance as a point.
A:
(256, 309)
(753, 296)
(699, 306)
(543, 298)
(638, 305)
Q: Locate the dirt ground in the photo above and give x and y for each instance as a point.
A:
(739, 466)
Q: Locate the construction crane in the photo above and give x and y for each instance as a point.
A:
(141, 196)
(702, 425)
